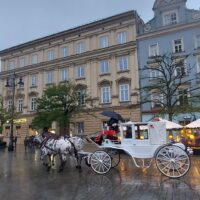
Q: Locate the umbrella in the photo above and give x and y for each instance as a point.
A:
(194, 124)
(112, 115)
(169, 124)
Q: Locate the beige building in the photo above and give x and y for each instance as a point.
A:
(101, 57)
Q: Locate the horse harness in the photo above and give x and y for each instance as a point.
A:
(55, 140)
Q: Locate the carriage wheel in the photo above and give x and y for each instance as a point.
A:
(172, 161)
(115, 156)
(100, 162)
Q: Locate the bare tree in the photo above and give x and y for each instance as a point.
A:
(168, 84)
(4, 115)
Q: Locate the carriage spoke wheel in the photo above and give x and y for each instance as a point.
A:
(115, 156)
(172, 161)
(100, 162)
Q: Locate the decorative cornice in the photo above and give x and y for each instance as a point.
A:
(81, 85)
(104, 82)
(74, 59)
(123, 79)
(163, 3)
(168, 29)
(33, 93)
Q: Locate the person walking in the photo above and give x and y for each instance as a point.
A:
(15, 141)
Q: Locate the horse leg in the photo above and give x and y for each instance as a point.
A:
(79, 160)
(53, 160)
(62, 164)
(49, 163)
(45, 158)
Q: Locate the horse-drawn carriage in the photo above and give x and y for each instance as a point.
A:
(141, 141)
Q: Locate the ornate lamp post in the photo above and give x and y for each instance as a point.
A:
(11, 83)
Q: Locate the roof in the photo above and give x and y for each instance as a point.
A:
(162, 3)
(72, 31)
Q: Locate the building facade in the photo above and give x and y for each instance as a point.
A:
(174, 29)
(100, 57)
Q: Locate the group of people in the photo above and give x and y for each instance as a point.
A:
(111, 132)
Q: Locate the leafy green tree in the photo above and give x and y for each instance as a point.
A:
(58, 103)
(169, 84)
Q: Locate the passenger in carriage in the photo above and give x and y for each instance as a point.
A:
(129, 132)
(110, 134)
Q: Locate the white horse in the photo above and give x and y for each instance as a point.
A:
(57, 145)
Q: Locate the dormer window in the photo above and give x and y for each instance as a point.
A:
(170, 17)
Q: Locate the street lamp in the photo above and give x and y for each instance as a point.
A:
(12, 84)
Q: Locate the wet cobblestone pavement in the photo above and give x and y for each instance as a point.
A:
(22, 177)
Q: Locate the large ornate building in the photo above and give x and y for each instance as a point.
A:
(174, 29)
(101, 57)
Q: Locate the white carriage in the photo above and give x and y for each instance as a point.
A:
(142, 141)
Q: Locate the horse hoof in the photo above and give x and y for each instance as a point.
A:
(48, 168)
(60, 170)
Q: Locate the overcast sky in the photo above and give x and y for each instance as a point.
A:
(25, 20)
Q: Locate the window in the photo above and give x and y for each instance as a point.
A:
(127, 132)
(103, 41)
(80, 47)
(157, 100)
(153, 50)
(180, 69)
(178, 45)
(50, 55)
(104, 66)
(170, 18)
(183, 97)
(197, 41)
(123, 63)
(80, 128)
(121, 37)
(63, 74)
(21, 62)
(11, 65)
(154, 73)
(124, 92)
(20, 103)
(34, 59)
(64, 52)
(9, 105)
(105, 95)
(81, 97)
(80, 72)
(34, 80)
(198, 64)
(33, 104)
(49, 79)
